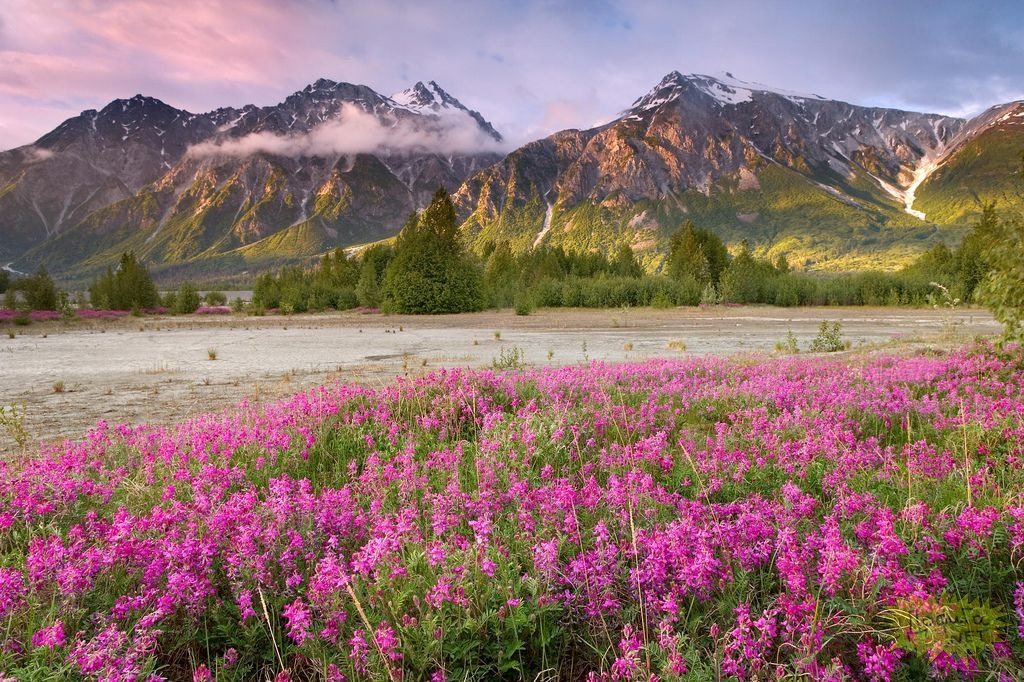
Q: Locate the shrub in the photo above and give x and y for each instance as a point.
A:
(38, 292)
(829, 338)
(186, 300)
(215, 298)
(524, 304)
(789, 345)
(510, 357)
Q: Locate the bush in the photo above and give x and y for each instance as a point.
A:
(215, 298)
(524, 304)
(829, 338)
(38, 291)
(186, 300)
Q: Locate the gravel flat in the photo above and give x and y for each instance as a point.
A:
(159, 369)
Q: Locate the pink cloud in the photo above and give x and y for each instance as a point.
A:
(188, 40)
(195, 54)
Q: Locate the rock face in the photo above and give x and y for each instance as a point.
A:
(333, 164)
(826, 183)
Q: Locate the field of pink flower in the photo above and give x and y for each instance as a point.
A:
(695, 519)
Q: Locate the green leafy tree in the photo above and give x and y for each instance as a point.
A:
(267, 291)
(129, 287)
(970, 265)
(432, 272)
(5, 280)
(374, 264)
(748, 279)
(501, 277)
(215, 298)
(624, 263)
(187, 299)
(337, 271)
(697, 253)
(1002, 288)
(38, 290)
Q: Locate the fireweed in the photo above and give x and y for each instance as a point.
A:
(676, 519)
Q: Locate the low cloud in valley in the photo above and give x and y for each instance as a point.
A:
(354, 131)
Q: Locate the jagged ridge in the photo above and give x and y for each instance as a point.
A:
(829, 184)
(129, 176)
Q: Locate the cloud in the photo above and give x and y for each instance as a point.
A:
(592, 56)
(36, 154)
(354, 131)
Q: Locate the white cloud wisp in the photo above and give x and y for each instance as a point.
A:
(354, 131)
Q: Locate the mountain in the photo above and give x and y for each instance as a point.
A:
(333, 164)
(827, 184)
(830, 185)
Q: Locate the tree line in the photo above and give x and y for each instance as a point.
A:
(430, 270)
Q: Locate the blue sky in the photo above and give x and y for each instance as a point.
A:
(530, 66)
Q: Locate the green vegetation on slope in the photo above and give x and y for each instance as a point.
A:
(982, 172)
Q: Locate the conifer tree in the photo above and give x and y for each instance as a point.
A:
(432, 272)
(129, 287)
(696, 253)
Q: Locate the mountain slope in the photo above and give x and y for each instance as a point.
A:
(982, 166)
(336, 160)
(88, 162)
(822, 181)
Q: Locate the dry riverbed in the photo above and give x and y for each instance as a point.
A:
(67, 376)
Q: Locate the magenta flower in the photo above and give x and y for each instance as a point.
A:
(52, 636)
(297, 616)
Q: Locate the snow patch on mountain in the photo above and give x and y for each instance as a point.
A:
(546, 226)
(725, 89)
(422, 98)
(921, 174)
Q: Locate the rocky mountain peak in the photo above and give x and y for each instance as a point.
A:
(136, 107)
(253, 184)
(321, 84)
(723, 90)
(430, 98)
(1012, 114)
(427, 96)
(324, 174)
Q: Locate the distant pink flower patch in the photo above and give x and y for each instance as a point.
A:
(213, 310)
(94, 314)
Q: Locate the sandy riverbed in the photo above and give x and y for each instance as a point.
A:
(158, 370)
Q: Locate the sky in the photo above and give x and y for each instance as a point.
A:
(531, 67)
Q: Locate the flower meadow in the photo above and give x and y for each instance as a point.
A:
(686, 519)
